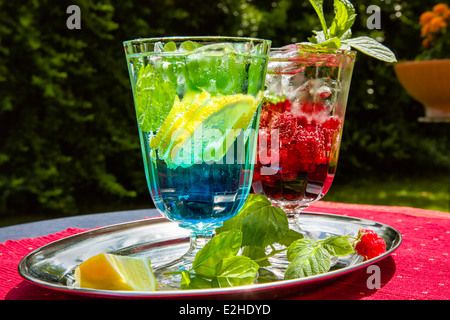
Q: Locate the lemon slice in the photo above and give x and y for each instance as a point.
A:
(113, 272)
(218, 121)
(177, 117)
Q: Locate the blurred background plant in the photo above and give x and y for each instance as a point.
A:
(435, 33)
(68, 134)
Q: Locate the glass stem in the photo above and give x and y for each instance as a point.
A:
(168, 275)
(293, 215)
(197, 241)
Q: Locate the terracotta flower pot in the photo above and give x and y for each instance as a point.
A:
(429, 83)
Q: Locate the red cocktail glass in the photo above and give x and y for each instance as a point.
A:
(301, 125)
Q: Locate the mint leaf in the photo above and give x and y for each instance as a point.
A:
(154, 98)
(188, 282)
(261, 223)
(372, 48)
(318, 37)
(310, 260)
(338, 246)
(344, 17)
(297, 246)
(309, 256)
(170, 46)
(264, 226)
(253, 203)
(189, 45)
(318, 41)
(332, 43)
(339, 34)
(318, 6)
(290, 237)
(221, 246)
(258, 254)
(236, 271)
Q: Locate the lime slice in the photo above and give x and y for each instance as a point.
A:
(113, 272)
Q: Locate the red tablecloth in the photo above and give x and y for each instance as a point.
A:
(419, 269)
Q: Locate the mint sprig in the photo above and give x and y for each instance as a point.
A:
(245, 243)
(338, 35)
(309, 260)
(261, 223)
(310, 257)
(218, 264)
(237, 251)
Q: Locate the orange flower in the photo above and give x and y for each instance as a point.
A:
(436, 24)
(426, 43)
(440, 9)
(425, 30)
(446, 15)
(426, 17)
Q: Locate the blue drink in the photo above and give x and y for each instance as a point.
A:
(202, 195)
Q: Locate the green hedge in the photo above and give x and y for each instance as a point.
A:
(67, 125)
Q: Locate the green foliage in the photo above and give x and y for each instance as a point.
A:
(218, 265)
(261, 223)
(68, 132)
(65, 116)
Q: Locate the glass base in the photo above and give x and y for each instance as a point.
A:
(168, 276)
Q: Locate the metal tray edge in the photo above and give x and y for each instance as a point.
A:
(202, 292)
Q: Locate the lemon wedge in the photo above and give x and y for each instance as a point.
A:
(107, 271)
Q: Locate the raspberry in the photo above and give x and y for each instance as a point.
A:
(369, 244)
(311, 108)
(302, 121)
(305, 142)
(332, 123)
(309, 147)
(308, 139)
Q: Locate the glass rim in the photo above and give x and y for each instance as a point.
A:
(244, 45)
(196, 38)
(310, 49)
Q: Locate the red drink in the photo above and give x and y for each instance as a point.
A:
(301, 125)
(308, 150)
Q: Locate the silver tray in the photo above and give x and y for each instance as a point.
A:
(51, 266)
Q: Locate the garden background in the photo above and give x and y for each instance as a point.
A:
(68, 134)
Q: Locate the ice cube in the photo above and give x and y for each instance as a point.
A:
(273, 84)
(216, 68)
(215, 49)
(159, 47)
